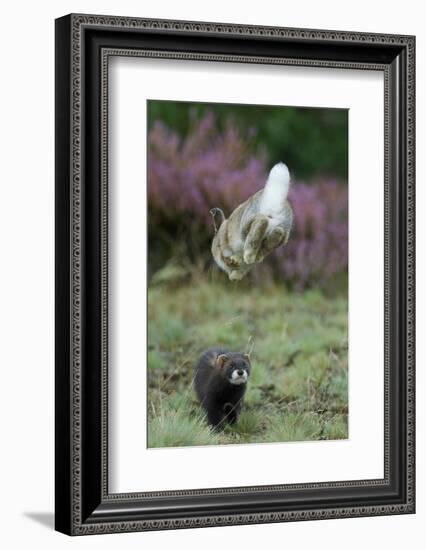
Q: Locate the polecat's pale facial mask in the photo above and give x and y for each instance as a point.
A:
(239, 376)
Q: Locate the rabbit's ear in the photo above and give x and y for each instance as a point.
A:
(214, 212)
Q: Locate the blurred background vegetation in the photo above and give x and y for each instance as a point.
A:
(314, 142)
(203, 156)
(293, 305)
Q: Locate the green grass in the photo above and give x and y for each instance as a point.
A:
(298, 388)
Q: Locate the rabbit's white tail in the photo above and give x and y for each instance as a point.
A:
(275, 191)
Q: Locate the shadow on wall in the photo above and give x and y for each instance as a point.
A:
(47, 519)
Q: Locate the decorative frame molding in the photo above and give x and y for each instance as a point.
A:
(84, 43)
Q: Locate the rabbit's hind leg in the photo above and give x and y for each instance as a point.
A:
(272, 241)
(254, 238)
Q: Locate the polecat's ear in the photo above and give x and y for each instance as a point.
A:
(221, 360)
(247, 357)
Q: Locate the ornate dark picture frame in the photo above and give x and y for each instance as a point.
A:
(84, 44)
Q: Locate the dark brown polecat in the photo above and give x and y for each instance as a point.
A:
(220, 381)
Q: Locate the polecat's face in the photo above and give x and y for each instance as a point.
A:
(238, 371)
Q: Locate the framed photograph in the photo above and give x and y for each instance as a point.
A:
(234, 274)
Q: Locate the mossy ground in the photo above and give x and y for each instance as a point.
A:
(298, 390)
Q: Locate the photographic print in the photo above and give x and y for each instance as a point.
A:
(247, 274)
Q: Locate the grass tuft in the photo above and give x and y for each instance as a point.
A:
(294, 427)
(175, 428)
